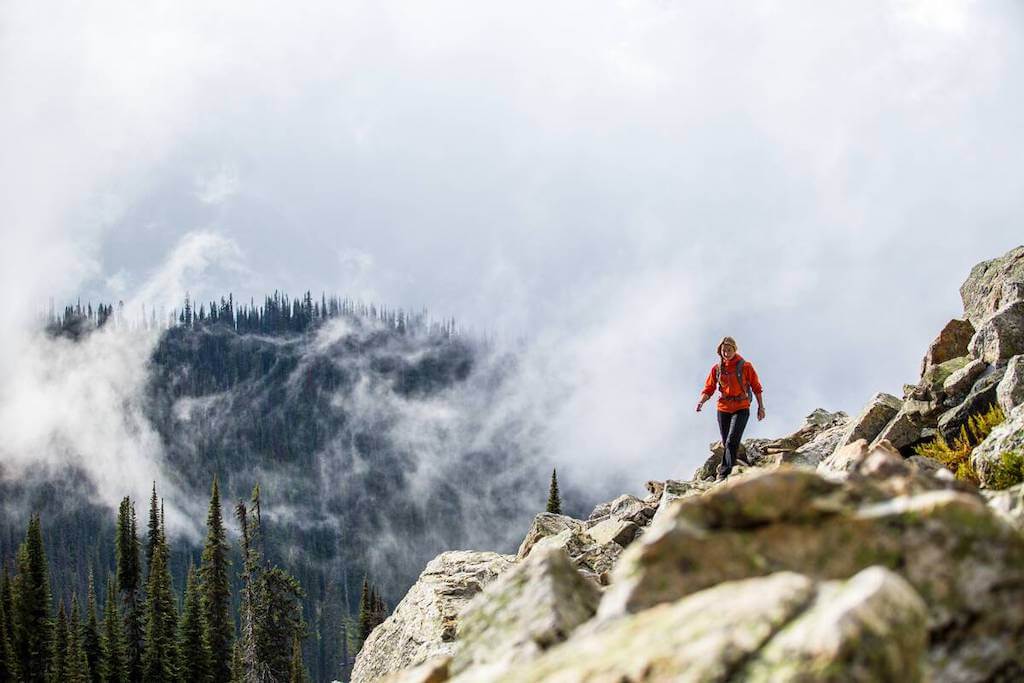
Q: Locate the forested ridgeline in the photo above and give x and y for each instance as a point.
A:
(376, 439)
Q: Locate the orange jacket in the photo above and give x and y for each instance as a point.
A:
(731, 386)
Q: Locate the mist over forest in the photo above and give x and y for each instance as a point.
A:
(378, 439)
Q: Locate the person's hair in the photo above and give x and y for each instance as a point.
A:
(727, 341)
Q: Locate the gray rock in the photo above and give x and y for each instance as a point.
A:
(589, 556)
(951, 343)
(620, 531)
(961, 381)
(1009, 503)
(902, 431)
(1010, 390)
(981, 397)
(983, 291)
(1001, 336)
(433, 670)
(704, 637)
(546, 524)
(820, 447)
(524, 612)
(872, 627)
(424, 623)
(879, 411)
(845, 458)
(961, 557)
(1009, 436)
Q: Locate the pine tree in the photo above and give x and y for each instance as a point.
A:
(58, 672)
(77, 664)
(91, 639)
(215, 587)
(7, 669)
(160, 658)
(129, 581)
(193, 650)
(554, 499)
(365, 613)
(297, 671)
(154, 528)
(33, 629)
(114, 668)
(237, 668)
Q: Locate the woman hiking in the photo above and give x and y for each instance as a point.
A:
(736, 380)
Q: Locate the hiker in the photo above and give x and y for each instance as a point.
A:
(736, 380)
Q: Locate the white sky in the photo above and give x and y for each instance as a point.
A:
(622, 182)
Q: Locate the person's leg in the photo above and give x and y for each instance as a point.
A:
(736, 426)
(724, 423)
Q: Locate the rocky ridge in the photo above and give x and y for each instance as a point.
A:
(836, 555)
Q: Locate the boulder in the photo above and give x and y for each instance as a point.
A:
(589, 556)
(546, 524)
(984, 290)
(845, 458)
(951, 343)
(1010, 390)
(902, 431)
(964, 560)
(820, 447)
(433, 670)
(620, 531)
(704, 637)
(872, 627)
(879, 411)
(961, 381)
(929, 388)
(424, 623)
(782, 627)
(1008, 436)
(1009, 503)
(1001, 336)
(625, 508)
(981, 397)
(524, 612)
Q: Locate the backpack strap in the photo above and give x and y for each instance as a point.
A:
(744, 387)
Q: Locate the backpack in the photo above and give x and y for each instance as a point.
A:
(744, 386)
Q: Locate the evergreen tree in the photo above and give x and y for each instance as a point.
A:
(91, 638)
(193, 650)
(33, 628)
(58, 671)
(237, 668)
(114, 668)
(365, 613)
(279, 620)
(297, 671)
(154, 528)
(160, 658)
(554, 499)
(77, 665)
(129, 581)
(7, 670)
(215, 587)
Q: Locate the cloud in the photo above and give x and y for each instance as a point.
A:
(217, 187)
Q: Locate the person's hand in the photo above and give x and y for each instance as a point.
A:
(700, 404)
(760, 413)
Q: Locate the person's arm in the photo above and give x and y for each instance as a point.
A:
(755, 385)
(709, 390)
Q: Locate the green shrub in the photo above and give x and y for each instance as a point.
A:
(1008, 471)
(956, 456)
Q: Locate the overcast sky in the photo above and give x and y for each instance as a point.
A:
(621, 182)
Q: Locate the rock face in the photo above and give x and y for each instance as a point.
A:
(546, 524)
(524, 612)
(951, 343)
(424, 623)
(961, 381)
(983, 291)
(1010, 390)
(1009, 436)
(1001, 336)
(879, 411)
(965, 560)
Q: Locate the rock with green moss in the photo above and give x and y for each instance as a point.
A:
(964, 559)
(960, 382)
(872, 627)
(526, 611)
(424, 622)
(981, 397)
(949, 344)
(1009, 503)
(1005, 437)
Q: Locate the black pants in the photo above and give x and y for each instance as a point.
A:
(731, 425)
